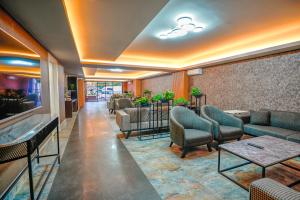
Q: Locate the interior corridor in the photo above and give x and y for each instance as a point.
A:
(96, 165)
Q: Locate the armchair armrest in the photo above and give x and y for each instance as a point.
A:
(176, 132)
(215, 124)
(117, 107)
(123, 120)
(230, 120)
(202, 124)
(269, 189)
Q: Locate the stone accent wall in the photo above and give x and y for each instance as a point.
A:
(268, 82)
(157, 84)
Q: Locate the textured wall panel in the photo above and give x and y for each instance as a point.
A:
(269, 82)
(157, 84)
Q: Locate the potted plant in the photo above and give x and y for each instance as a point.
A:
(72, 86)
(181, 102)
(128, 94)
(157, 97)
(142, 101)
(196, 92)
(168, 95)
(147, 93)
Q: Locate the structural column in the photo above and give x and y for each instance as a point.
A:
(81, 93)
(181, 84)
(124, 87)
(137, 87)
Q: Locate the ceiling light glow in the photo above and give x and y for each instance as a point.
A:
(116, 70)
(184, 20)
(21, 62)
(197, 29)
(184, 26)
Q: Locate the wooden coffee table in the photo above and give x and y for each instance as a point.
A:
(269, 151)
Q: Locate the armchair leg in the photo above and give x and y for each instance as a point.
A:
(209, 147)
(171, 143)
(128, 134)
(184, 152)
(217, 145)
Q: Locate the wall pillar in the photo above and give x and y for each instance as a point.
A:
(81, 93)
(180, 84)
(137, 87)
(124, 87)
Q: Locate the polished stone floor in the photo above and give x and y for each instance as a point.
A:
(96, 165)
(20, 190)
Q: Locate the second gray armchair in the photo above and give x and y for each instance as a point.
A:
(225, 126)
(123, 103)
(187, 129)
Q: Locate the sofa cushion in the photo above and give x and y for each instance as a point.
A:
(258, 130)
(294, 138)
(260, 117)
(230, 132)
(287, 120)
(194, 137)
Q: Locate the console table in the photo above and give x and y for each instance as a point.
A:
(22, 140)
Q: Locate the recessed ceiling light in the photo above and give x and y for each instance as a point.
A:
(184, 26)
(116, 70)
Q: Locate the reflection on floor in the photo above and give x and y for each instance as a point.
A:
(21, 189)
(96, 165)
(196, 176)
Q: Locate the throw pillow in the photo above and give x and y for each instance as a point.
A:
(260, 117)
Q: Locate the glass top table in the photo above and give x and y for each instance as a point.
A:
(263, 151)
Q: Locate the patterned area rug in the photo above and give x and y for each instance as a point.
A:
(196, 176)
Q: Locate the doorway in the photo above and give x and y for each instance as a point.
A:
(102, 90)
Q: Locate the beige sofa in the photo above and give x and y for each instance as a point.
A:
(141, 119)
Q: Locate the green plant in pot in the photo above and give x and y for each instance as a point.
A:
(196, 92)
(72, 86)
(168, 96)
(181, 102)
(128, 94)
(142, 101)
(157, 97)
(147, 93)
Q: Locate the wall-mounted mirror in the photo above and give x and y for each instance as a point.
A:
(20, 77)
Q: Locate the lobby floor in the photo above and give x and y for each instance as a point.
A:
(96, 165)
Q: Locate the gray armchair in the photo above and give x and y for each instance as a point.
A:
(187, 129)
(123, 103)
(268, 189)
(225, 126)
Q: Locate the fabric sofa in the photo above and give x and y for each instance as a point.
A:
(282, 124)
(268, 189)
(143, 118)
(111, 104)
